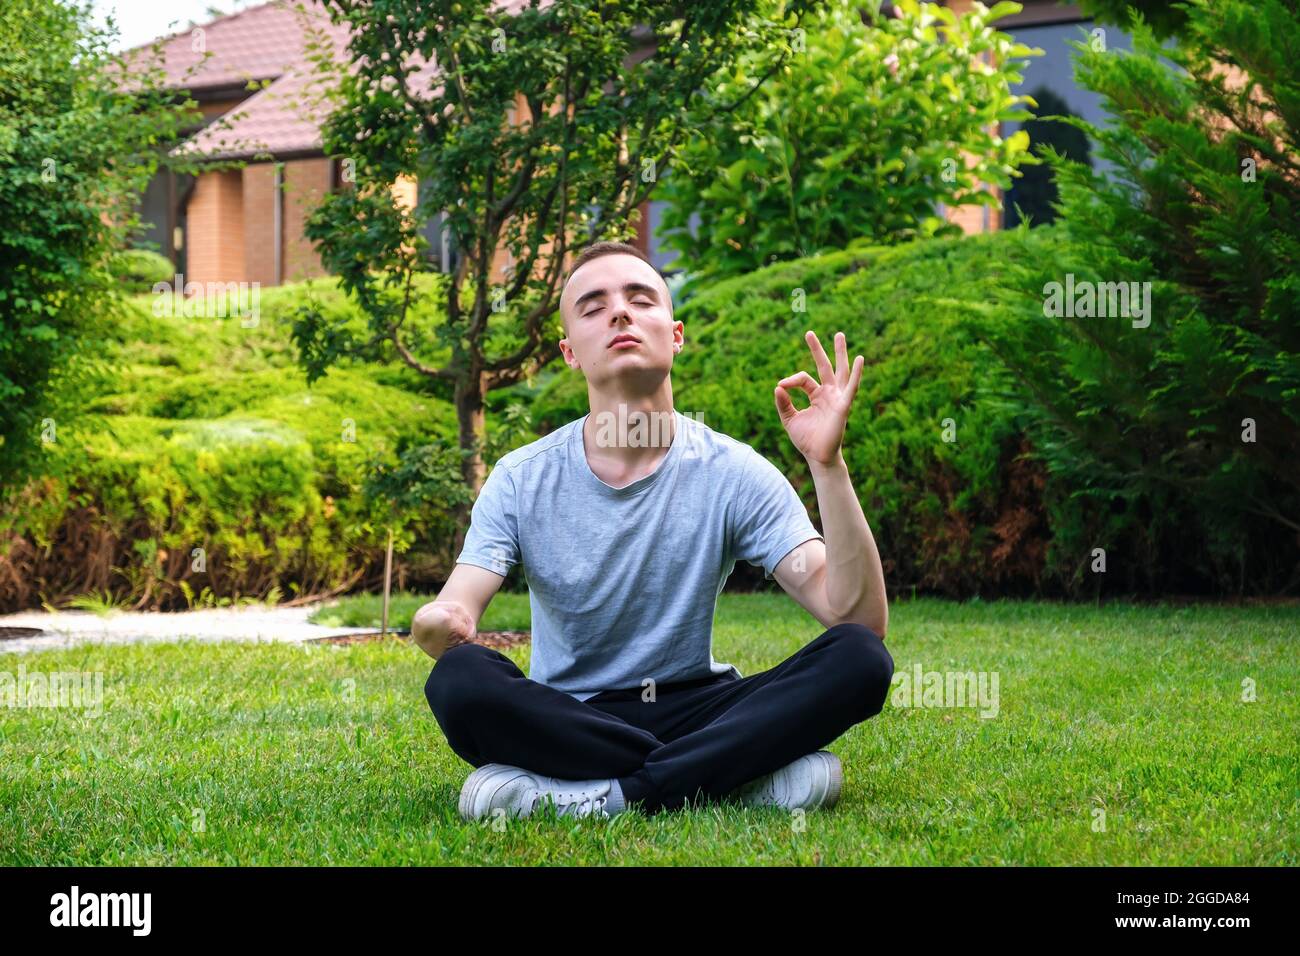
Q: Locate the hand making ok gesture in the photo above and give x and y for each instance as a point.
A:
(818, 430)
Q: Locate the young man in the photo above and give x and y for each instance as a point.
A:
(628, 522)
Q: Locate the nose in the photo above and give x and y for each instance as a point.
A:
(618, 309)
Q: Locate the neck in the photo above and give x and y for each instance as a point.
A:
(628, 431)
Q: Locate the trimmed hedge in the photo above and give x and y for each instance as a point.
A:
(139, 270)
(210, 438)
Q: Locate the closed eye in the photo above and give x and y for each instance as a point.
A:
(640, 300)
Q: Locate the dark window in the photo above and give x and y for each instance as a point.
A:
(1050, 80)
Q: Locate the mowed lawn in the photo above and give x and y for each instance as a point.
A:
(320, 754)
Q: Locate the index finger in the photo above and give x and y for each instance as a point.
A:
(825, 371)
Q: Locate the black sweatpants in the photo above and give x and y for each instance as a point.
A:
(701, 738)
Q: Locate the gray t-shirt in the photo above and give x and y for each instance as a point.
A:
(623, 582)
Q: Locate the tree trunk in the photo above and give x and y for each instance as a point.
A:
(471, 420)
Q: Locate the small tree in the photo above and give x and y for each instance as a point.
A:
(866, 130)
(76, 150)
(536, 132)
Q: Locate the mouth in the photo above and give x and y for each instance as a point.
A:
(624, 341)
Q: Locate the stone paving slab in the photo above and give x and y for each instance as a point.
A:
(252, 623)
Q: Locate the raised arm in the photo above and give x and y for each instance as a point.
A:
(452, 617)
(841, 580)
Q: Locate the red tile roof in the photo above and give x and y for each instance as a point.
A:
(272, 42)
(255, 44)
(282, 120)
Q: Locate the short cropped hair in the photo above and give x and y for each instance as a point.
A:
(606, 248)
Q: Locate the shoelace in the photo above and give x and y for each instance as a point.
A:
(581, 808)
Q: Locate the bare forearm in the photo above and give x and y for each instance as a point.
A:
(855, 580)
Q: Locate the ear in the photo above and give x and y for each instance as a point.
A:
(570, 359)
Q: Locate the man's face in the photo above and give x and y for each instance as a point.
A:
(619, 296)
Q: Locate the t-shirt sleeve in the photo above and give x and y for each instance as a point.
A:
(492, 541)
(770, 519)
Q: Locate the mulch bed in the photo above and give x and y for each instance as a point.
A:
(504, 638)
(494, 639)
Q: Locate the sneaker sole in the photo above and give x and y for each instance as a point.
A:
(836, 782)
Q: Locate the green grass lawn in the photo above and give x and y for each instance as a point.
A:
(328, 754)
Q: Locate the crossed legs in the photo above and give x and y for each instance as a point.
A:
(682, 745)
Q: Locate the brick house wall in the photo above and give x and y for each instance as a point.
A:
(231, 223)
(259, 223)
(306, 181)
(215, 228)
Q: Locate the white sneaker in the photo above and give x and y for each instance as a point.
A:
(814, 780)
(520, 793)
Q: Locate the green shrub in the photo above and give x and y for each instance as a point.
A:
(837, 146)
(211, 439)
(139, 270)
